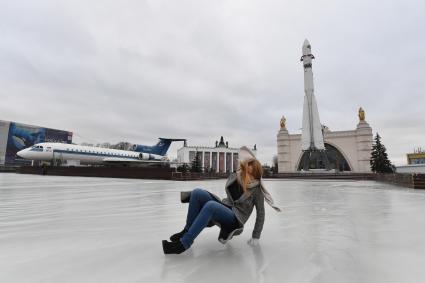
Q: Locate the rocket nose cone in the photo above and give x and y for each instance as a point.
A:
(306, 47)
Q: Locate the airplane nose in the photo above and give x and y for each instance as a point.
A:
(21, 153)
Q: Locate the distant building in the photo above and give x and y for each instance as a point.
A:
(16, 136)
(220, 158)
(417, 157)
(415, 162)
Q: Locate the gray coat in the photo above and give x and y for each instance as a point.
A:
(242, 208)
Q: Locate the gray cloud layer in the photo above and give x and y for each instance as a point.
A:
(138, 70)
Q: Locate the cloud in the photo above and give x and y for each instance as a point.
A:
(138, 70)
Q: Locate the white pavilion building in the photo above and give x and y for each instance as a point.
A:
(218, 159)
(346, 150)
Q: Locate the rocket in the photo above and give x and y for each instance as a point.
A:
(312, 135)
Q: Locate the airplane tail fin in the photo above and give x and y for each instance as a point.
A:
(160, 148)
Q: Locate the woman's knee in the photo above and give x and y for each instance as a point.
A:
(198, 193)
(197, 190)
(211, 206)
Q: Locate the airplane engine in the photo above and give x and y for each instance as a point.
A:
(144, 156)
(137, 147)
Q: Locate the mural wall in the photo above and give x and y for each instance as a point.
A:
(19, 136)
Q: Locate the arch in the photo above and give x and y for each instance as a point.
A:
(343, 155)
(336, 159)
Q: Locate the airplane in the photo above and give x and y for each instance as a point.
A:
(96, 155)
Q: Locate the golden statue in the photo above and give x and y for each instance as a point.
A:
(283, 122)
(361, 114)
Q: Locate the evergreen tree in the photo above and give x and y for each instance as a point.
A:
(196, 164)
(184, 168)
(379, 161)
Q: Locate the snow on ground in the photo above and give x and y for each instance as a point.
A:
(72, 229)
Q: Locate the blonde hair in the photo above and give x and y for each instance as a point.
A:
(257, 172)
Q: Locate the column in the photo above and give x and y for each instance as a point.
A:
(218, 162)
(231, 162)
(203, 157)
(284, 152)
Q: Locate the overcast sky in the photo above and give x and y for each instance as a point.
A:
(139, 70)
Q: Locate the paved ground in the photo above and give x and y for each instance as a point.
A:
(71, 229)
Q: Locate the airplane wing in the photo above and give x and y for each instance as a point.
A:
(126, 160)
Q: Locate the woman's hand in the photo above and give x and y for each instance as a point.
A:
(253, 242)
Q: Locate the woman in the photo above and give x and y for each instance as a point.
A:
(244, 190)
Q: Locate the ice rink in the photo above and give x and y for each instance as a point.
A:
(72, 229)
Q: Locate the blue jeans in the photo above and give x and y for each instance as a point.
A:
(203, 209)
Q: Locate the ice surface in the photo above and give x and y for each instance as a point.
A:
(72, 229)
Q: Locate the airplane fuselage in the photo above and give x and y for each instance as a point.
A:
(85, 154)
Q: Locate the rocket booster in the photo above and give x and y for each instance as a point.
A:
(312, 136)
